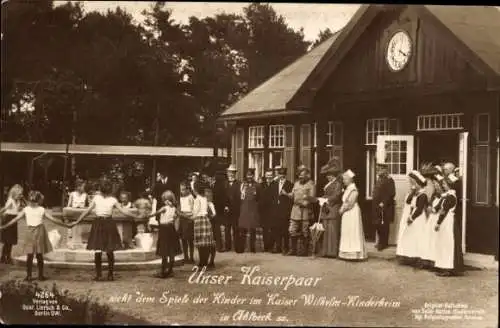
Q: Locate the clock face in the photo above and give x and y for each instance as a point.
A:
(399, 51)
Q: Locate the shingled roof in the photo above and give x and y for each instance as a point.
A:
(477, 27)
(273, 94)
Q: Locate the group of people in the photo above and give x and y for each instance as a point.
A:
(430, 227)
(428, 237)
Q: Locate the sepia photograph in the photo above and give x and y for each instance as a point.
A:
(249, 164)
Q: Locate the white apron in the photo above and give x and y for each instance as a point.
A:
(445, 242)
(429, 239)
(411, 239)
(407, 209)
(352, 238)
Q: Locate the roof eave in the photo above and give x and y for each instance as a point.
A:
(263, 114)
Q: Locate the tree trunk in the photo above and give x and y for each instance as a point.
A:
(155, 143)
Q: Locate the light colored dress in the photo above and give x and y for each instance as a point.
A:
(352, 238)
(407, 209)
(447, 249)
(429, 238)
(410, 243)
(78, 200)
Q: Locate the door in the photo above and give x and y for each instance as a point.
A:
(462, 164)
(397, 152)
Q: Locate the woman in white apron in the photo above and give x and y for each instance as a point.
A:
(404, 216)
(449, 255)
(352, 238)
(410, 240)
(429, 237)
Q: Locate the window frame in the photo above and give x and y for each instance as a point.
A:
(255, 136)
(272, 138)
(479, 169)
(252, 153)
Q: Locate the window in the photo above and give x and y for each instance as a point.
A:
(256, 137)
(275, 158)
(380, 126)
(276, 136)
(482, 159)
(439, 122)
(335, 141)
(256, 161)
(376, 127)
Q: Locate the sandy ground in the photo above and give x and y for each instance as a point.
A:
(138, 294)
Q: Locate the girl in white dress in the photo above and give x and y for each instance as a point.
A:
(410, 241)
(36, 240)
(78, 198)
(352, 238)
(12, 208)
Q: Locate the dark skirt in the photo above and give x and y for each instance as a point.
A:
(187, 229)
(37, 240)
(168, 241)
(104, 235)
(203, 235)
(9, 235)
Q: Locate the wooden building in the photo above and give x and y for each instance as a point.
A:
(399, 84)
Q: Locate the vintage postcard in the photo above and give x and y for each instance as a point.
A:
(249, 164)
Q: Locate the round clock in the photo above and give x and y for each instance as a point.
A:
(399, 51)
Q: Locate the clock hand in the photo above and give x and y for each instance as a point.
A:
(403, 53)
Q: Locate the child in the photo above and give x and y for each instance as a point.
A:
(37, 240)
(104, 234)
(203, 236)
(125, 199)
(187, 223)
(211, 216)
(78, 198)
(144, 207)
(11, 209)
(168, 243)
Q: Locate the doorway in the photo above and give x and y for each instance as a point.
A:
(438, 147)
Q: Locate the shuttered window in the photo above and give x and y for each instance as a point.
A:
(289, 153)
(481, 159)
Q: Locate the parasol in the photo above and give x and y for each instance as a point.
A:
(317, 230)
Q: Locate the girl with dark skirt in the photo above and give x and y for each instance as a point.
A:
(211, 215)
(37, 240)
(11, 209)
(104, 236)
(448, 253)
(203, 235)
(168, 241)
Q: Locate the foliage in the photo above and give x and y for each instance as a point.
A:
(16, 294)
(100, 78)
(322, 36)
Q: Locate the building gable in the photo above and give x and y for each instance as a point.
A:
(434, 61)
(440, 59)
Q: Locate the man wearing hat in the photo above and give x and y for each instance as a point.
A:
(384, 192)
(282, 205)
(249, 219)
(269, 197)
(232, 207)
(304, 196)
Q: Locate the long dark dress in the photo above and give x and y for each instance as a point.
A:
(249, 213)
(331, 219)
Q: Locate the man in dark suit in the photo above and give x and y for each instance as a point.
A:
(267, 207)
(232, 208)
(383, 205)
(282, 205)
(163, 183)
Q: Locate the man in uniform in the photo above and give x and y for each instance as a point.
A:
(383, 205)
(232, 207)
(303, 195)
